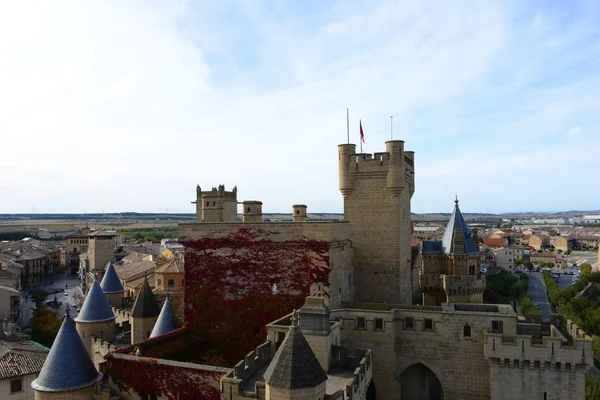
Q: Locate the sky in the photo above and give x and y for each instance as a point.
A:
(124, 105)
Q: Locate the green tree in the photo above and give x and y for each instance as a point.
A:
(44, 326)
(585, 269)
(528, 265)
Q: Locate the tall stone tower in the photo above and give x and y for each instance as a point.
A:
(450, 267)
(216, 205)
(377, 189)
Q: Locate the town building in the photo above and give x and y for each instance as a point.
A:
(21, 360)
(537, 258)
(9, 303)
(505, 258)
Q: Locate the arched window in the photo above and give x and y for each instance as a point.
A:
(467, 330)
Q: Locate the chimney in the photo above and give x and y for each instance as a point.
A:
(299, 213)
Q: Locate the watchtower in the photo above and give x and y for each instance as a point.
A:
(377, 189)
(216, 205)
(252, 211)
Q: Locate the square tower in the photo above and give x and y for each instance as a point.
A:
(377, 189)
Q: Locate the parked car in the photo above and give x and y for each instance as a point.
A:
(54, 303)
(483, 270)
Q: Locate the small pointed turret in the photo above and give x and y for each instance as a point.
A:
(96, 318)
(95, 307)
(143, 314)
(457, 237)
(68, 367)
(167, 320)
(295, 367)
(112, 287)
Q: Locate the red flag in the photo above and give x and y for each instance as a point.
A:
(362, 134)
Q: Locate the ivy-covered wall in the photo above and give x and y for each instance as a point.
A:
(230, 282)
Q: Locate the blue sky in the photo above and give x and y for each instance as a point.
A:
(127, 105)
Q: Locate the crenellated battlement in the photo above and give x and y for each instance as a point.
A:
(396, 165)
(551, 351)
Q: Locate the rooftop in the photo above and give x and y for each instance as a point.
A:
(110, 281)
(18, 358)
(68, 365)
(145, 304)
(95, 306)
(295, 365)
(167, 320)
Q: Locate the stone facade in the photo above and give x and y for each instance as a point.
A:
(377, 189)
(101, 250)
(80, 394)
(141, 328)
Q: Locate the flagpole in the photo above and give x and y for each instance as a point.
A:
(348, 124)
(392, 127)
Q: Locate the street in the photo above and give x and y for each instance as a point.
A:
(56, 288)
(537, 292)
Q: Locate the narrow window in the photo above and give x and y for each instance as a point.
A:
(171, 283)
(409, 323)
(378, 324)
(428, 324)
(102, 334)
(467, 330)
(16, 386)
(496, 326)
(361, 323)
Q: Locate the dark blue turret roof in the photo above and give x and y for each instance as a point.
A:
(167, 320)
(111, 282)
(95, 307)
(456, 226)
(68, 365)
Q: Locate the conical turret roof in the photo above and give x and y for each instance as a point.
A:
(95, 307)
(167, 320)
(110, 281)
(295, 365)
(458, 227)
(68, 365)
(145, 304)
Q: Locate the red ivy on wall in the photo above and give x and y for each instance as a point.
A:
(229, 281)
(147, 376)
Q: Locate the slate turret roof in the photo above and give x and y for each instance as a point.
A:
(68, 365)
(167, 320)
(145, 304)
(295, 365)
(456, 226)
(111, 282)
(95, 307)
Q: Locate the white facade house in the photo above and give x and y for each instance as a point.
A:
(505, 258)
(20, 363)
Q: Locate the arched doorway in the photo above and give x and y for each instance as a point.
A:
(420, 383)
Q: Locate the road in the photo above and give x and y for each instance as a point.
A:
(56, 285)
(537, 292)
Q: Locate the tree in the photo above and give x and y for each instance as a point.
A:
(528, 265)
(44, 326)
(39, 297)
(585, 269)
(519, 262)
(568, 252)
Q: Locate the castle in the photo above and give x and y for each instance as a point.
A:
(356, 333)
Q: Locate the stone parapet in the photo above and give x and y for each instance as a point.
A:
(522, 349)
(233, 382)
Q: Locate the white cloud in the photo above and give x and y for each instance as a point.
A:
(575, 131)
(127, 106)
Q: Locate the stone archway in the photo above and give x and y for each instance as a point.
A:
(420, 383)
